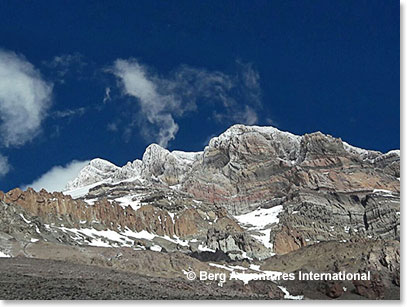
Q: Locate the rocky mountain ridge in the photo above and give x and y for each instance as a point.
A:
(156, 160)
(236, 147)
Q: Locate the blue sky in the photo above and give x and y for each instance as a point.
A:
(80, 80)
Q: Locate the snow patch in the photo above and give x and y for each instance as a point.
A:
(259, 220)
(382, 191)
(3, 255)
(205, 249)
(130, 200)
(288, 296)
(81, 191)
(24, 219)
(264, 238)
(156, 248)
(260, 217)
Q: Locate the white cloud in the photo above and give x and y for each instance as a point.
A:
(163, 99)
(155, 107)
(4, 165)
(57, 177)
(24, 99)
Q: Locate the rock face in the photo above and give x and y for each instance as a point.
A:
(168, 167)
(248, 166)
(288, 240)
(252, 193)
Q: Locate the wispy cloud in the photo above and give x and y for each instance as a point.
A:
(24, 99)
(164, 99)
(107, 95)
(69, 113)
(4, 165)
(112, 127)
(60, 66)
(247, 116)
(57, 177)
(251, 80)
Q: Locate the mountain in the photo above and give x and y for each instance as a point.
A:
(252, 198)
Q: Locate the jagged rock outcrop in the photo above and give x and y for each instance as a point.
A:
(61, 209)
(157, 221)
